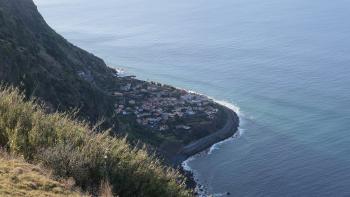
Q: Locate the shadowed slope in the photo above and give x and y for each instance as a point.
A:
(43, 64)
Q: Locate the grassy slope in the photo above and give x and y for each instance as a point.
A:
(71, 149)
(18, 178)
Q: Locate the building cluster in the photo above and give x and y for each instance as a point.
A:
(161, 107)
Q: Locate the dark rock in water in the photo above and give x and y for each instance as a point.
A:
(228, 193)
(190, 181)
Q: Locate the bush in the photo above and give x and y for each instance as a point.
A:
(71, 149)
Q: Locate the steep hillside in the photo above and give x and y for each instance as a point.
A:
(43, 64)
(72, 149)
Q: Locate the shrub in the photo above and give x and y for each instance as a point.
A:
(71, 149)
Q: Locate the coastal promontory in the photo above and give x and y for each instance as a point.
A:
(49, 77)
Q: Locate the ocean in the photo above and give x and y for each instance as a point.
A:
(284, 63)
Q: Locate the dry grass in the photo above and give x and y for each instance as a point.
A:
(106, 189)
(18, 178)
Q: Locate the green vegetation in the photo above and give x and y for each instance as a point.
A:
(72, 149)
(18, 178)
(40, 62)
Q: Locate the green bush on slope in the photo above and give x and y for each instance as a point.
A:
(72, 149)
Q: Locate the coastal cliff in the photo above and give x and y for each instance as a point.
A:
(44, 65)
(172, 122)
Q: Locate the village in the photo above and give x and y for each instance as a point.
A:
(161, 107)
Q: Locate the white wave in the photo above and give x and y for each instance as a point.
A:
(229, 105)
(219, 194)
(186, 166)
(217, 146)
(120, 71)
(240, 132)
(203, 192)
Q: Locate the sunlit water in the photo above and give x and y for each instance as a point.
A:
(284, 63)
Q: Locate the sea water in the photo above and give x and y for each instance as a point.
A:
(284, 63)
